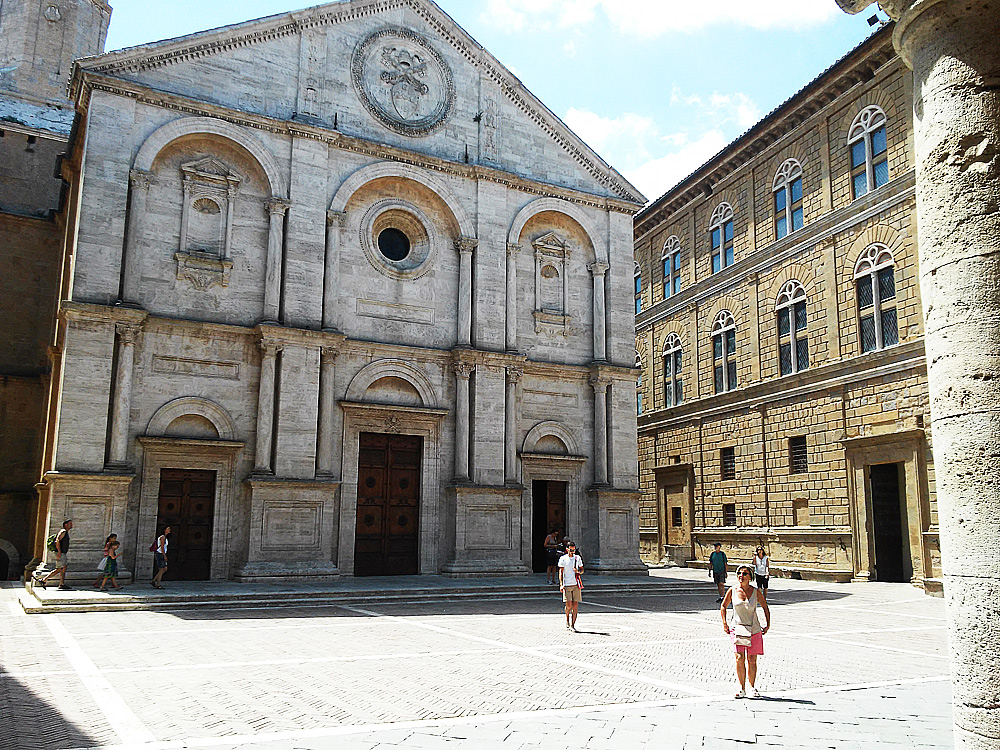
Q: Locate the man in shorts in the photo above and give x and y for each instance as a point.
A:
(62, 558)
(719, 562)
(570, 570)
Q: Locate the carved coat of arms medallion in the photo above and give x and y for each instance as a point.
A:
(403, 81)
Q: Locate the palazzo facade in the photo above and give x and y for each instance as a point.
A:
(783, 398)
(341, 297)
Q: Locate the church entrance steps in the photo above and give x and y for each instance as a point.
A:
(402, 589)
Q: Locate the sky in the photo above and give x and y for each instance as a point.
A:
(656, 87)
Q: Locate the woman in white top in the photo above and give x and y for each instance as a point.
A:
(761, 568)
(160, 558)
(745, 631)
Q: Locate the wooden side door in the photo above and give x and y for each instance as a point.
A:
(187, 506)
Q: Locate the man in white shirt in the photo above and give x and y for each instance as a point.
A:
(570, 570)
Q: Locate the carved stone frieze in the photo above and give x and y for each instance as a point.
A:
(203, 270)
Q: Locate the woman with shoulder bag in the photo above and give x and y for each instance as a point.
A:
(746, 632)
(103, 564)
(160, 558)
(761, 568)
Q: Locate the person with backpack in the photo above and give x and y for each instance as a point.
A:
(59, 544)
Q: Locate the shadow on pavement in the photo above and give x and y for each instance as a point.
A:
(28, 723)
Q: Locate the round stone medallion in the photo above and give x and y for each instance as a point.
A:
(403, 81)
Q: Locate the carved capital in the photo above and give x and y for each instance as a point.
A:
(127, 333)
(270, 347)
(514, 374)
(276, 206)
(598, 268)
(464, 369)
(139, 179)
(599, 383)
(513, 249)
(328, 354)
(466, 244)
(336, 218)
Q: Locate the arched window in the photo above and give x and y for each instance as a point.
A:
(724, 351)
(793, 344)
(638, 289)
(638, 383)
(787, 190)
(671, 266)
(673, 384)
(875, 285)
(869, 157)
(721, 230)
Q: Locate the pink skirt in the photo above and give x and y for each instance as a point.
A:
(756, 647)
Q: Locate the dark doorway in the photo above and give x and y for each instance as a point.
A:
(889, 516)
(385, 542)
(4, 566)
(548, 511)
(187, 506)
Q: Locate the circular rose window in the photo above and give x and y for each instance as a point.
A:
(393, 243)
(398, 239)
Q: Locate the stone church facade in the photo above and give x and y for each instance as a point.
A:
(341, 297)
(779, 329)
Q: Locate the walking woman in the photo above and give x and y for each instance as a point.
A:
(745, 631)
(761, 568)
(112, 538)
(160, 558)
(552, 554)
(111, 567)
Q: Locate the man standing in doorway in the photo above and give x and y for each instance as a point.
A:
(62, 557)
(719, 562)
(570, 569)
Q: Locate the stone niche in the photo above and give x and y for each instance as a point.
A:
(293, 530)
(210, 190)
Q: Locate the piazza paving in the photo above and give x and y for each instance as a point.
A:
(845, 666)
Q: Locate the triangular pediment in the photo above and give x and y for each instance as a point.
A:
(396, 72)
(210, 167)
(549, 241)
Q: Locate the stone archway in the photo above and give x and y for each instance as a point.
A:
(13, 560)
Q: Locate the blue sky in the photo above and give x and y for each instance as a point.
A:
(654, 86)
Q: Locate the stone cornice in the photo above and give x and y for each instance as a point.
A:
(199, 45)
(91, 82)
(111, 314)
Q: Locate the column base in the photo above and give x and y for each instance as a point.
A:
(618, 532)
(488, 531)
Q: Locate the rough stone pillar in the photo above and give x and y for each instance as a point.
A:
(600, 386)
(334, 223)
(600, 306)
(276, 209)
(952, 47)
(265, 406)
(510, 426)
(122, 397)
(139, 182)
(462, 372)
(511, 337)
(465, 246)
(327, 405)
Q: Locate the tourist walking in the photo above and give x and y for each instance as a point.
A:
(570, 583)
(160, 558)
(59, 545)
(552, 554)
(718, 566)
(761, 568)
(111, 567)
(745, 631)
(104, 560)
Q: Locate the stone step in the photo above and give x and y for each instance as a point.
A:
(138, 596)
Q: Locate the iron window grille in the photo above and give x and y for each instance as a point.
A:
(727, 463)
(798, 457)
(793, 343)
(676, 517)
(729, 514)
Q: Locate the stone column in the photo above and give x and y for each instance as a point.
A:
(276, 208)
(265, 406)
(327, 405)
(953, 51)
(334, 223)
(510, 426)
(139, 182)
(600, 386)
(511, 338)
(600, 320)
(122, 396)
(465, 246)
(462, 372)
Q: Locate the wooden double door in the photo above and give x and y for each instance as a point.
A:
(187, 506)
(386, 538)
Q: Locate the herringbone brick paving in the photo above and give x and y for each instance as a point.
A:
(846, 666)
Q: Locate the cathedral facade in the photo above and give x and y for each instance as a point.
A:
(340, 297)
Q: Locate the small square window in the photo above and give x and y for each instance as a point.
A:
(727, 459)
(798, 459)
(729, 514)
(676, 517)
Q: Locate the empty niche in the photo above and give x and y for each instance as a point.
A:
(393, 390)
(192, 426)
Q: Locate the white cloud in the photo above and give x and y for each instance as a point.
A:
(651, 18)
(657, 176)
